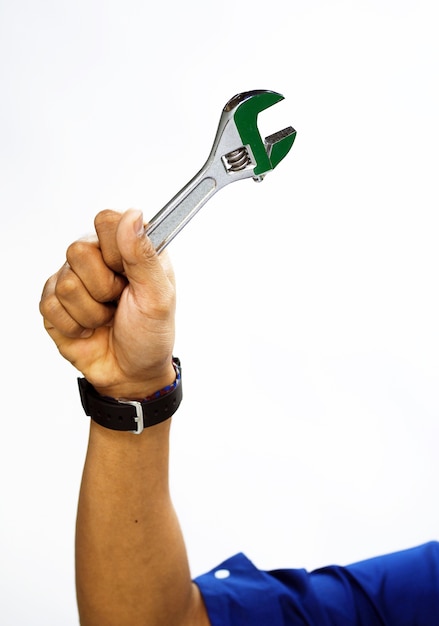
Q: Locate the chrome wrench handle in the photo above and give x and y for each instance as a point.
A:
(180, 210)
(176, 214)
(238, 152)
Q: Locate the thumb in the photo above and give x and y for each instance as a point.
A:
(141, 262)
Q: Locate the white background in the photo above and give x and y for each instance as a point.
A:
(308, 304)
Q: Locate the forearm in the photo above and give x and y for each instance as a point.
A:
(132, 567)
(131, 561)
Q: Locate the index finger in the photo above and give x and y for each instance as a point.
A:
(106, 223)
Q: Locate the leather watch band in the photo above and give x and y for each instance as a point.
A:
(129, 415)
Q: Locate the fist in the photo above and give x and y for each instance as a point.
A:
(110, 309)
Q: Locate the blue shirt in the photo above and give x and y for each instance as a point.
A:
(400, 589)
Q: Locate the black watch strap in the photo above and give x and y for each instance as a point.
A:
(130, 415)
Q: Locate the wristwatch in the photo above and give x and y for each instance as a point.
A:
(131, 415)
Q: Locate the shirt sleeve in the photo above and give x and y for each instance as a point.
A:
(236, 593)
(399, 589)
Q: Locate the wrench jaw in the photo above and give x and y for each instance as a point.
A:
(255, 155)
(277, 147)
(238, 152)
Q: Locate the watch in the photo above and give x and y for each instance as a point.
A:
(131, 415)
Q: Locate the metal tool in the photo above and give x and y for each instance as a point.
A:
(238, 152)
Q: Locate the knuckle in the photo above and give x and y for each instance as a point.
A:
(77, 250)
(48, 304)
(66, 286)
(55, 317)
(47, 289)
(106, 222)
(106, 217)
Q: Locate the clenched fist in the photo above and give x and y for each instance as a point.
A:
(110, 308)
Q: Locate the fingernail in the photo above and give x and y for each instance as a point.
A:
(86, 333)
(138, 225)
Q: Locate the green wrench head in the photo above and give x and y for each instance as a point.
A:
(245, 108)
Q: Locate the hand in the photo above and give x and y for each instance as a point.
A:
(110, 309)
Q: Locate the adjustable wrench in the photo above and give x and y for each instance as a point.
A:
(238, 152)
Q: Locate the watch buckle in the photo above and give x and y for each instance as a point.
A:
(139, 415)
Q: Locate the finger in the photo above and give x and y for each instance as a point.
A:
(68, 307)
(106, 223)
(57, 320)
(150, 280)
(79, 304)
(86, 261)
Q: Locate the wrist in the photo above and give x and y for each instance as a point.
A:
(124, 414)
(138, 390)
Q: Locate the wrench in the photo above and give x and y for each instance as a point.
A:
(238, 152)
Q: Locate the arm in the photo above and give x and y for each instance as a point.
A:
(131, 560)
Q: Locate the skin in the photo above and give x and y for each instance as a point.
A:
(110, 311)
